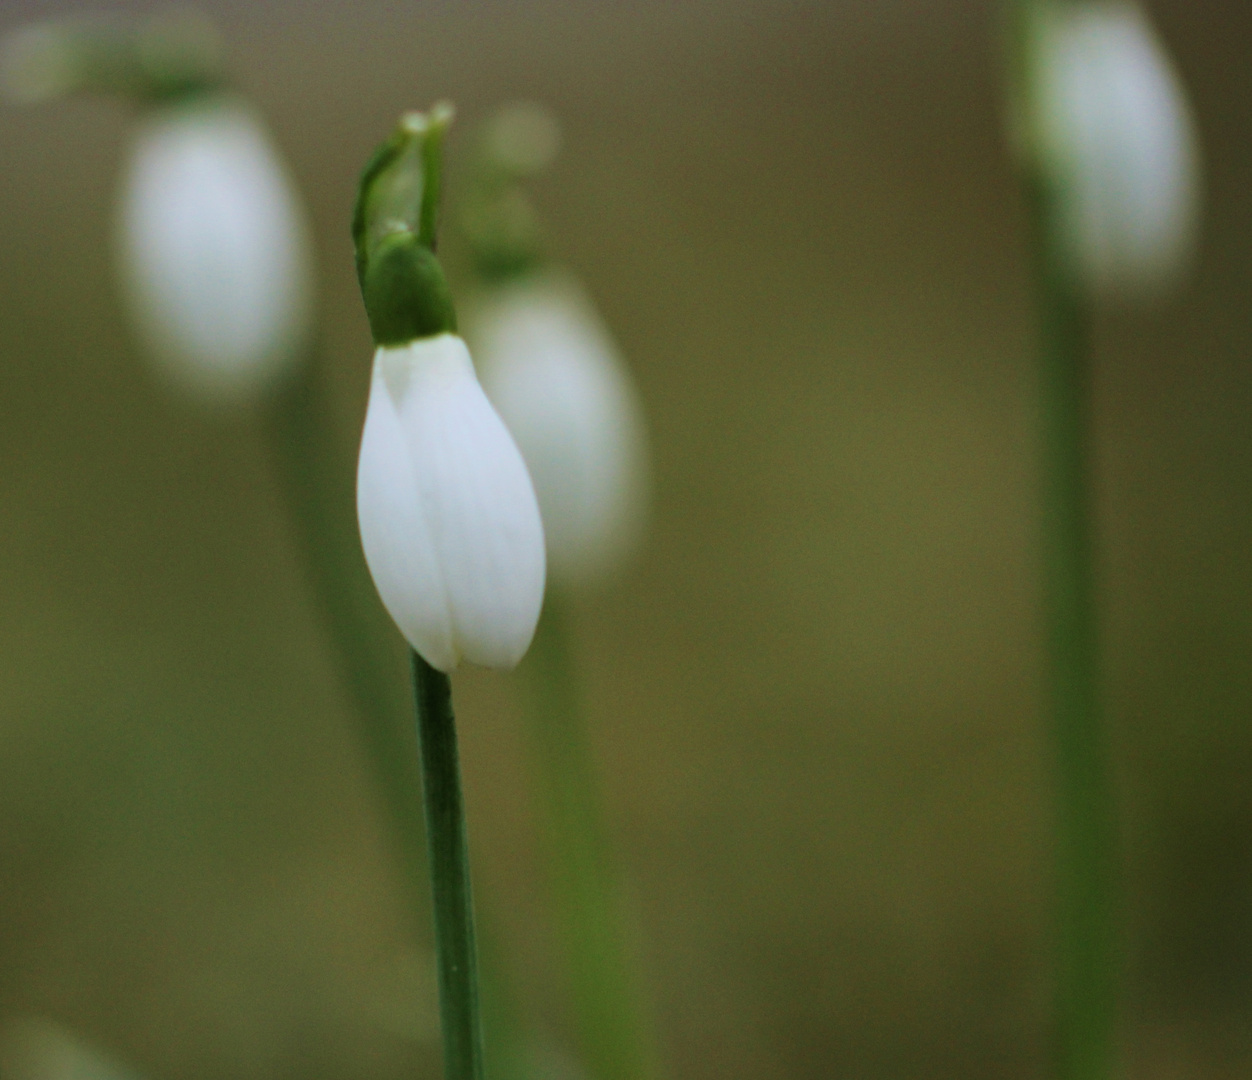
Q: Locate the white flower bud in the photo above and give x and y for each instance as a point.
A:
(551, 370)
(215, 253)
(1117, 136)
(448, 517)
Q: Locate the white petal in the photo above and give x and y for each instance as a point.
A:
(395, 535)
(551, 370)
(1120, 135)
(215, 255)
(448, 517)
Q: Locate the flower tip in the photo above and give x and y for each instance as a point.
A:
(414, 123)
(437, 120)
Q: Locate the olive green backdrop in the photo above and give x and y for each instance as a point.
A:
(814, 697)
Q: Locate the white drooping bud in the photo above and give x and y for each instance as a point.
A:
(1117, 138)
(550, 368)
(449, 523)
(215, 253)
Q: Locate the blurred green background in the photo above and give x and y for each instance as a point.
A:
(816, 695)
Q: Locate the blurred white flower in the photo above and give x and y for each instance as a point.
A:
(549, 367)
(449, 523)
(215, 253)
(1117, 136)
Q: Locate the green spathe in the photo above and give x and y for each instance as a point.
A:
(405, 291)
(393, 230)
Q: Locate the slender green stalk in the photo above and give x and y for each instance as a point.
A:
(1086, 1006)
(320, 501)
(449, 874)
(1086, 974)
(611, 1032)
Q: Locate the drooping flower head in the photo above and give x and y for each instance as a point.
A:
(449, 522)
(549, 365)
(1111, 131)
(213, 251)
(551, 369)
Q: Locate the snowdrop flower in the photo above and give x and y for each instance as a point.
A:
(214, 251)
(1116, 136)
(449, 522)
(550, 368)
(448, 517)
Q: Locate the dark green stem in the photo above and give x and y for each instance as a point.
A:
(1086, 1007)
(611, 1032)
(448, 853)
(318, 490)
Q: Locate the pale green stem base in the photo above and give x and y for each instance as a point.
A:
(613, 1038)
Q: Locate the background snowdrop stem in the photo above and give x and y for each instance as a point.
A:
(1085, 872)
(317, 489)
(501, 225)
(612, 1033)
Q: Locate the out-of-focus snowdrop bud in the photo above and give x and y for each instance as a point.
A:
(548, 363)
(38, 1049)
(214, 251)
(449, 522)
(556, 378)
(1116, 138)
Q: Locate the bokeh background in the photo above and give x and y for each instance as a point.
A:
(815, 697)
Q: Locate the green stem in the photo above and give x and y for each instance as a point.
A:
(1086, 1007)
(606, 1002)
(448, 852)
(319, 496)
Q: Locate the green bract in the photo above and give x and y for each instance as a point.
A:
(393, 229)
